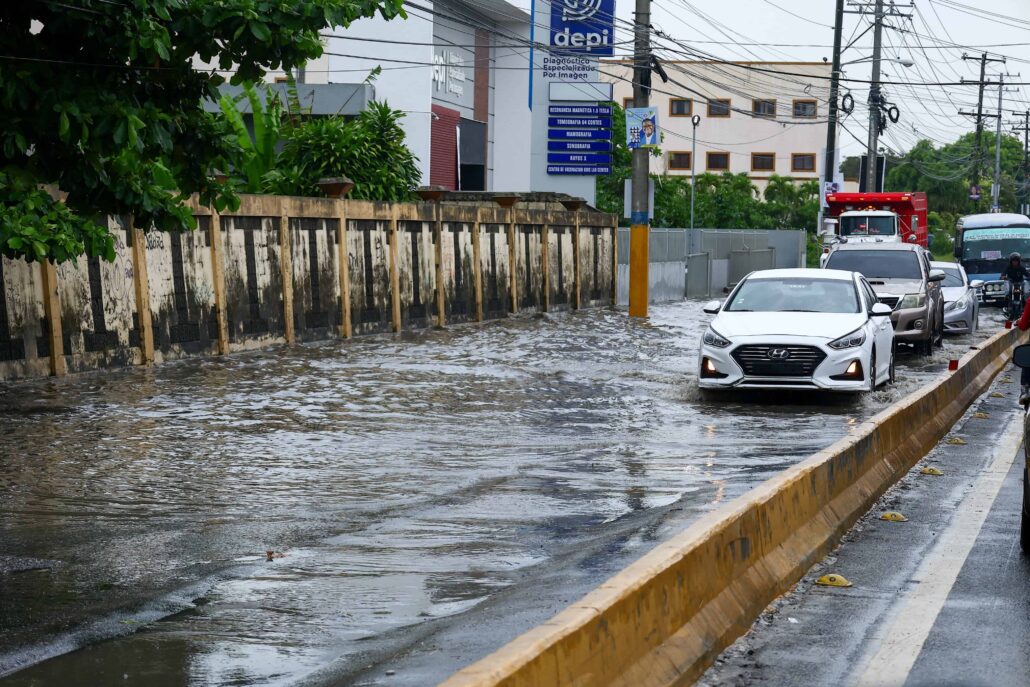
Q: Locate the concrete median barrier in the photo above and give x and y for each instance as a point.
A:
(665, 618)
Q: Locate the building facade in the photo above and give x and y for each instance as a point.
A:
(757, 118)
(458, 71)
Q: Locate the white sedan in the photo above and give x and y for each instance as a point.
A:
(798, 329)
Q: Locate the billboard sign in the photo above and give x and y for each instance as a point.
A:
(583, 26)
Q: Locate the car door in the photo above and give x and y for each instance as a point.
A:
(881, 329)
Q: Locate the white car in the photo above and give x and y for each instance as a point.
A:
(961, 303)
(798, 329)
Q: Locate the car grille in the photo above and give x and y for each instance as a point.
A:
(769, 361)
(892, 301)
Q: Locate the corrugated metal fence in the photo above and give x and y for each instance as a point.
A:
(697, 263)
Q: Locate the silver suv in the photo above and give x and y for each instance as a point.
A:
(901, 276)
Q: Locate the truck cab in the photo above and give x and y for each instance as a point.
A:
(874, 218)
(869, 226)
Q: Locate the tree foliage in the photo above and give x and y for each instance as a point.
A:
(945, 173)
(369, 150)
(102, 100)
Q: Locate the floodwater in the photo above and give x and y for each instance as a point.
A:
(425, 497)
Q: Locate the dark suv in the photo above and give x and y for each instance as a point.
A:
(901, 276)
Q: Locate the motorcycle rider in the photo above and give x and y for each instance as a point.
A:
(1015, 273)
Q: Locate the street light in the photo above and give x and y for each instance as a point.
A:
(695, 120)
(903, 61)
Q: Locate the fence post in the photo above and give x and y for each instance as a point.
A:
(218, 276)
(141, 282)
(343, 255)
(615, 260)
(286, 270)
(545, 265)
(477, 265)
(441, 292)
(52, 310)
(395, 279)
(576, 302)
(513, 276)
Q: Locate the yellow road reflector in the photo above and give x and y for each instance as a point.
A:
(833, 580)
(893, 516)
(956, 441)
(931, 471)
(981, 416)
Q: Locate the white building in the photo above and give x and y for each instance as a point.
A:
(458, 70)
(757, 118)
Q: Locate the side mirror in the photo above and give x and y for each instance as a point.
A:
(976, 284)
(712, 307)
(1021, 356)
(936, 276)
(880, 310)
(912, 238)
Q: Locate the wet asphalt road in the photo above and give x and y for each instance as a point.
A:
(427, 496)
(939, 601)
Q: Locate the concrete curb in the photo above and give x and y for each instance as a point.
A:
(666, 617)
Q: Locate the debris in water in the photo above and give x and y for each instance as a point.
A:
(271, 555)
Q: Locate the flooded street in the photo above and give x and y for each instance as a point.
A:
(424, 497)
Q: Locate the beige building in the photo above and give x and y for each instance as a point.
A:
(757, 118)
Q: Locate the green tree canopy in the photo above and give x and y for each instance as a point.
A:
(101, 99)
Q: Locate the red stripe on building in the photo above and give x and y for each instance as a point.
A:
(443, 148)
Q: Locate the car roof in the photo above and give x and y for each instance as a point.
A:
(878, 246)
(803, 273)
(994, 219)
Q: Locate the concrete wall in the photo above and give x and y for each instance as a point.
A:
(285, 270)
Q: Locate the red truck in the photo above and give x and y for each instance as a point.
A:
(876, 218)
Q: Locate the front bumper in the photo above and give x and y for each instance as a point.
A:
(834, 364)
(911, 324)
(960, 321)
(992, 293)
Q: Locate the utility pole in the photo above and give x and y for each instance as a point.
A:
(875, 115)
(1025, 187)
(996, 188)
(829, 168)
(982, 83)
(639, 232)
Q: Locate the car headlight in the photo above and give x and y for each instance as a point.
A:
(960, 304)
(852, 340)
(714, 338)
(913, 300)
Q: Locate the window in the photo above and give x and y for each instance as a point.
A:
(718, 162)
(763, 108)
(779, 294)
(678, 160)
(802, 162)
(719, 107)
(681, 107)
(804, 109)
(877, 264)
(627, 103)
(763, 162)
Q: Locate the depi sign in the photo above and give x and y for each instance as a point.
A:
(583, 26)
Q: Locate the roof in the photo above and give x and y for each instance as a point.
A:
(802, 273)
(870, 213)
(912, 247)
(994, 219)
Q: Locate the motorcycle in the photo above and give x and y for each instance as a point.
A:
(1014, 306)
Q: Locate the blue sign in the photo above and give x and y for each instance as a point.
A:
(578, 134)
(582, 146)
(579, 169)
(580, 110)
(583, 26)
(586, 122)
(580, 158)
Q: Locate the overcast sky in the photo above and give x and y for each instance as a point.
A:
(801, 30)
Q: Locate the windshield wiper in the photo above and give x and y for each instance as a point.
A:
(799, 311)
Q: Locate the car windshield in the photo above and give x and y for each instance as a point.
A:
(877, 264)
(867, 226)
(794, 295)
(952, 277)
